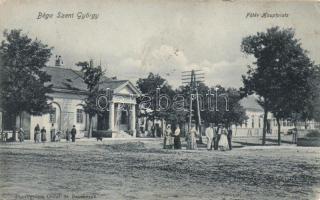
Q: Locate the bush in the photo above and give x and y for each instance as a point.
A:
(313, 133)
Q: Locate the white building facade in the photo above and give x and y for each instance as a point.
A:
(117, 120)
(253, 126)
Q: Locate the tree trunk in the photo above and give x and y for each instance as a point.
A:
(90, 127)
(20, 120)
(279, 131)
(154, 127)
(264, 130)
(14, 134)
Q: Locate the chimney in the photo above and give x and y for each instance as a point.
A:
(58, 61)
(91, 63)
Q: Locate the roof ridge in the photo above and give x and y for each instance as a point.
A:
(115, 80)
(79, 75)
(60, 67)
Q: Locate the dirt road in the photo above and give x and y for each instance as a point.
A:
(142, 170)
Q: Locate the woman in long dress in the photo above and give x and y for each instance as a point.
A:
(167, 143)
(43, 135)
(37, 134)
(223, 143)
(68, 135)
(192, 138)
(21, 135)
(177, 141)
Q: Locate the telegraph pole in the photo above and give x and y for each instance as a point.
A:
(193, 78)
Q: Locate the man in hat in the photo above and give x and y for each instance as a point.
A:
(73, 133)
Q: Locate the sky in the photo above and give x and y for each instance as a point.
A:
(132, 38)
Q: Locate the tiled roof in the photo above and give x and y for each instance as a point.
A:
(113, 84)
(250, 103)
(69, 79)
(63, 78)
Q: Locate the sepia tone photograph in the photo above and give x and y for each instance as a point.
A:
(159, 99)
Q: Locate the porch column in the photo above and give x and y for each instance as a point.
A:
(133, 120)
(111, 116)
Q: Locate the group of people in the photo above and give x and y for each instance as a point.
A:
(172, 139)
(54, 136)
(218, 138)
(40, 135)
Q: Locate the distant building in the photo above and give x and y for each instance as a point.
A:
(68, 97)
(253, 126)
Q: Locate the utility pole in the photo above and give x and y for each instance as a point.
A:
(193, 78)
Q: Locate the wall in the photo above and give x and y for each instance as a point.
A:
(66, 106)
(253, 128)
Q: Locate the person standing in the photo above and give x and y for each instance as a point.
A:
(218, 136)
(57, 136)
(294, 135)
(21, 135)
(229, 137)
(209, 136)
(68, 135)
(192, 138)
(52, 133)
(73, 133)
(37, 134)
(177, 141)
(167, 141)
(43, 135)
(223, 142)
(215, 137)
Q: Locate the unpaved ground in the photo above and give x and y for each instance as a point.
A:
(142, 170)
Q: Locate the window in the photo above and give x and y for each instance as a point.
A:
(252, 123)
(259, 122)
(79, 116)
(52, 116)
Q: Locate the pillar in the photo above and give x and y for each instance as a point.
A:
(133, 120)
(111, 116)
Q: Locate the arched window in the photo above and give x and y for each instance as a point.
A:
(80, 116)
(53, 116)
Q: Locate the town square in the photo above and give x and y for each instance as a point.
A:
(159, 99)
(133, 169)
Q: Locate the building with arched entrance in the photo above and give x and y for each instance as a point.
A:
(69, 92)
